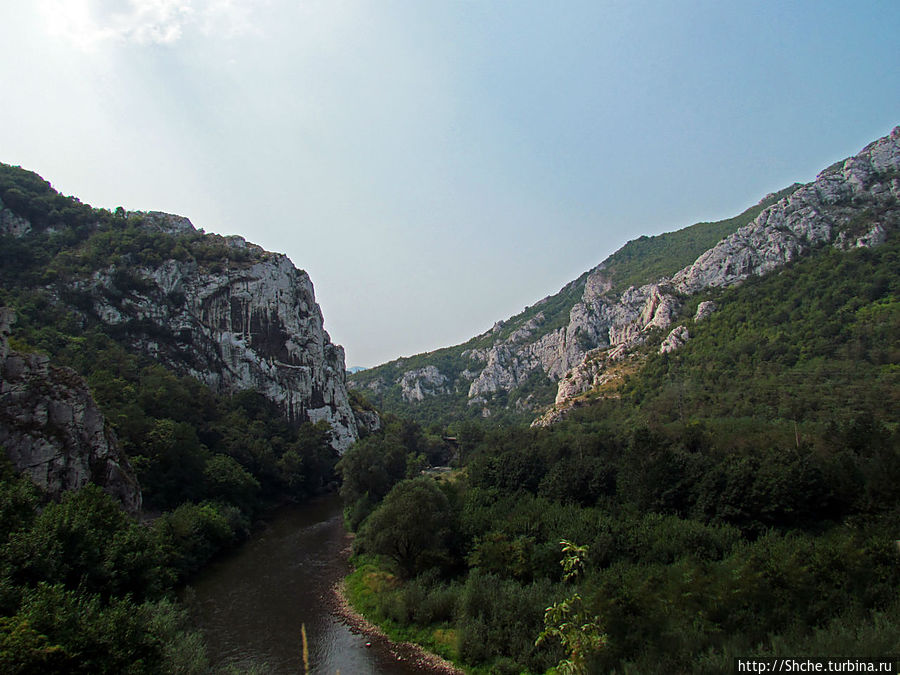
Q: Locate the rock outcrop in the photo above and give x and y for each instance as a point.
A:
(247, 321)
(53, 431)
(704, 310)
(675, 339)
(851, 204)
(826, 211)
(415, 385)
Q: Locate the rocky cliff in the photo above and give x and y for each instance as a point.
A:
(219, 309)
(52, 429)
(572, 338)
(251, 322)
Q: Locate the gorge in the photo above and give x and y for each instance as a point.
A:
(714, 436)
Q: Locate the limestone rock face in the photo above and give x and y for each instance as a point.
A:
(817, 214)
(416, 384)
(675, 339)
(704, 310)
(248, 322)
(595, 321)
(53, 431)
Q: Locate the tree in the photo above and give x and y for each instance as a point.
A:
(411, 527)
(226, 479)
(87, 541)
(369, 469)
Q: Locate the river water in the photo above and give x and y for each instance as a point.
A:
(251, 604)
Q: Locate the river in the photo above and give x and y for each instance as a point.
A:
(251, 603)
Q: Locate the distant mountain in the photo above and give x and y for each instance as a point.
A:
(641, 299)
(355, 369)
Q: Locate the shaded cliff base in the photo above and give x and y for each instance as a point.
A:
(52, 430)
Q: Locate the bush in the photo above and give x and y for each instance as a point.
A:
(193, 533)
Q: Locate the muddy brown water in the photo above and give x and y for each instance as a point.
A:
(251, 604)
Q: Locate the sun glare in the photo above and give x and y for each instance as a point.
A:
(87, 24)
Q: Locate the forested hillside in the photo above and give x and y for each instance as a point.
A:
(577, 340)
(737, 496)
(174, 428)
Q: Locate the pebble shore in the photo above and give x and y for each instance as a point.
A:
(403, 651)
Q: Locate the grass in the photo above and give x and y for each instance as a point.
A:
(368, 582)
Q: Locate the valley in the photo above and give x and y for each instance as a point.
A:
(691, 451)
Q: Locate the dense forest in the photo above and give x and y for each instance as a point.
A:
(736, 497)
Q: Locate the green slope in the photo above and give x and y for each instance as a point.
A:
(816, 342)
(737, 498)
(187, 443)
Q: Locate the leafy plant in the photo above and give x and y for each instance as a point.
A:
(569, 620)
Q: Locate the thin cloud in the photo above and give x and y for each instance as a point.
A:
(89, 24)
(229, 18)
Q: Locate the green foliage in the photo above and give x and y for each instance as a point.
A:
(411, 527)
(577, 629)
(30, 196)
(569, 620)
(498, 619)
(374, 464)
(814, 343)
(573, 560)
(86, 541)
(60, 631)
(70, 242)
(228, 481)
(19, 499)
(172, 427)
(708, 535)
(194, 533)
(171, 463)
(83, 588)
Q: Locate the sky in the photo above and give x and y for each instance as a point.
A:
(438, 165)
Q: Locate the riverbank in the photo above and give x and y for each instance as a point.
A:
(403, 651)
(254, 603)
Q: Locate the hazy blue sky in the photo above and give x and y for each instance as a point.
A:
(436, 165)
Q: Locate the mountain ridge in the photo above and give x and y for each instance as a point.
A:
(539, 357)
